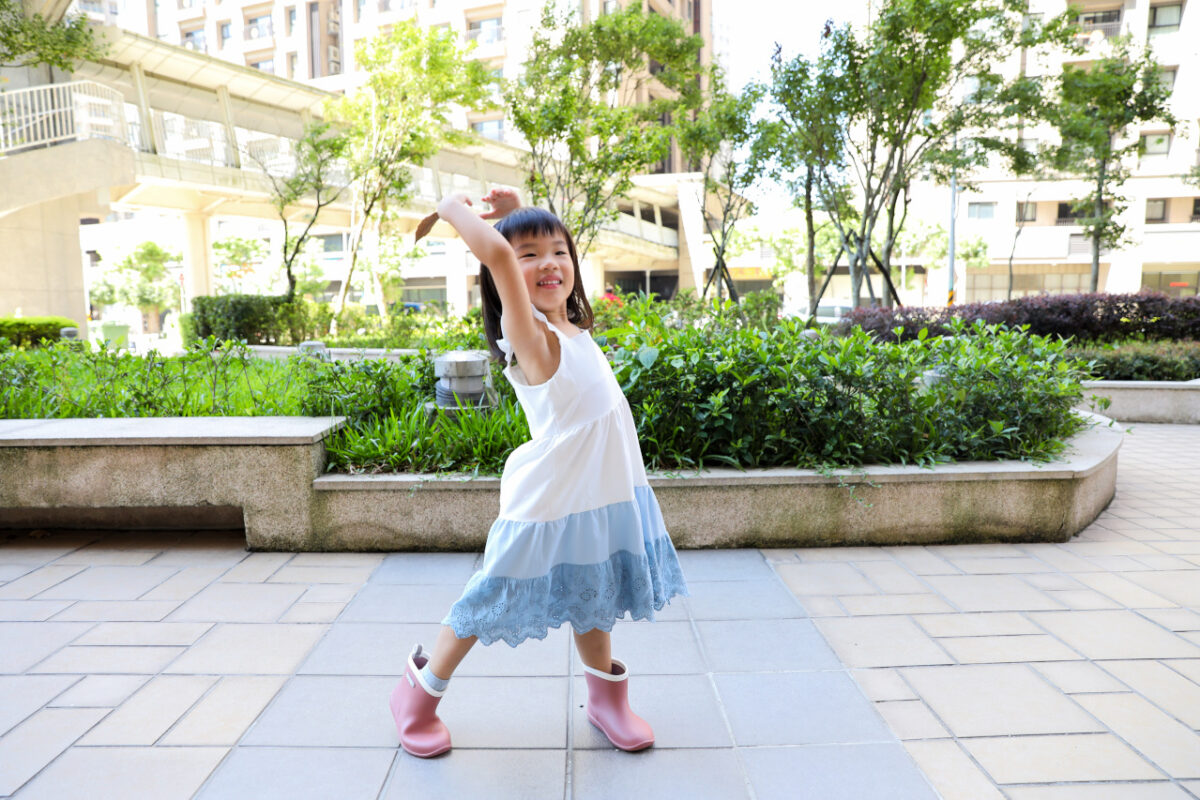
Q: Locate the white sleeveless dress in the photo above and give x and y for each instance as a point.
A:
(580, 537)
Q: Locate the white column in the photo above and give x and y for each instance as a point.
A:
(458, 298)
(197, 256)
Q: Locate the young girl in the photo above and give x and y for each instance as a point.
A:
(580, 537)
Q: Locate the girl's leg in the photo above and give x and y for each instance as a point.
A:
(595, 649)
(448, 652)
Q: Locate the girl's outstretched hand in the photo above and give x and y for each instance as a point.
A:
(503, 202)
(452, 200)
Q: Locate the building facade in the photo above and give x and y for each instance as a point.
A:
(314, 42)
(1032, 219)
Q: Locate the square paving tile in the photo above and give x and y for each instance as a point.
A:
(724, 565)
(881, 642)
(297, 773)
(453, 569)
(691, 774)
(492, 774)
(108, 583)
(1115, 634)
(162, 773)
(835, 772)
(997, 700)
(1053, 759)
(741, 646)
(239, 649)
(237, 602)
(384, 602)
(787, 708)
(755, 599)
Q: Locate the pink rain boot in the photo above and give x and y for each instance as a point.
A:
(608, 708)
(414, 707)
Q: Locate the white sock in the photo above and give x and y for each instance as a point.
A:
(433, 681)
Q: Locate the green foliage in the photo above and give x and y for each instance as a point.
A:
(236, 257)
(1142, 361)
(723, 142)
(312, 180)
(144, 281)
(33, 331)
(581, 105)
(687, 310)
(751, 398)
(883, 107)
(1091, 107)
(238, 317)
(30, 41)
(718, 390)
(401, 116)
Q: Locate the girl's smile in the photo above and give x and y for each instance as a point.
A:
(546, 266)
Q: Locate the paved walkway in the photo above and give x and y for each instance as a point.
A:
(163, 666)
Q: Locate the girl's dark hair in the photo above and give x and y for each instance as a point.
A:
(530, 221)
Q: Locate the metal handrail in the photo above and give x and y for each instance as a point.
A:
(40, 116)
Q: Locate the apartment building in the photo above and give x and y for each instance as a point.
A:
(1033, 220)
(313, 41)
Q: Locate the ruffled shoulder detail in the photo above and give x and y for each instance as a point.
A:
(503, 343)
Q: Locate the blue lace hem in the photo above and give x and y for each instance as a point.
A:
(588, 596)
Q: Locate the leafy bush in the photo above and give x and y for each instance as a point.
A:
(238, 317)
(686, 309)
(1085, 317)
(33, 331)
(752, 398)
(1143, 361)
(701, 395)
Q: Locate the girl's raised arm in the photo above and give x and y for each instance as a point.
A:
(527, 338)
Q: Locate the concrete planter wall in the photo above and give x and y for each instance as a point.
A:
(168, 472)
(1150, 401)
(265, 473)
(965, 502)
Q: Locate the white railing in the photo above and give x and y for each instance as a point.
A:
(44, 115)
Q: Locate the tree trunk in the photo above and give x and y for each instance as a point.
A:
(1097, 230)
(810, 261)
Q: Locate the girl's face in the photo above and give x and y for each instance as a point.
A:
(548, 269)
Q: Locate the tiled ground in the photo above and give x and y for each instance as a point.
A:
(163, 666)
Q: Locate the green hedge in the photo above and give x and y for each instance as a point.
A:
(700, 396)
(32, 331)
(1143, 361)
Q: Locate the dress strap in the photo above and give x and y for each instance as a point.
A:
(503, 344)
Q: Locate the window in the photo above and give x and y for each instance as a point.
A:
(490, 129)
(1196, 210)
(981, 210)
(485, 30)
(195, 40)
(226, 32)
(1156, 144)
(332, 243)
(1026, 212)
(359, 5)
(1156, 210)
(291, 62)
(1107, 22)
(291, 20)
(1165, 18)
(1166, 78)
(258, 27)
(1068, 215)
(267, 65)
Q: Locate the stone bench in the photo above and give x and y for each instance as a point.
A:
(1150, 401)
(144, 473)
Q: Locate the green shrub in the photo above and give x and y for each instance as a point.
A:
(1143, 361)
(33, 331)
(238, 317)
(187, 329)
(755, 398)
(701, 395)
